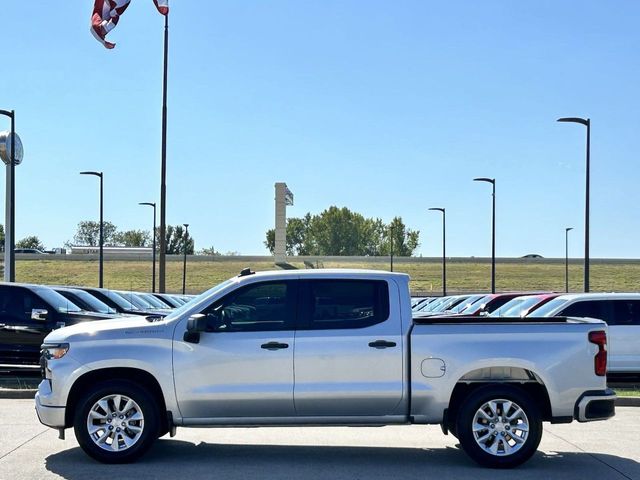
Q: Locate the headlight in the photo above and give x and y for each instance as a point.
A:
(54, 351)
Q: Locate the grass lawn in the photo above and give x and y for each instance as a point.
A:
(462, 275)
(627, 392)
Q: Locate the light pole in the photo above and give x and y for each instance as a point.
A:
(11, 158)
(163, 161)
(101, 267)
(444, 249)
(153, 268)
(391, 238)
(492, 181)
(587, 123)
(184, 266)
(566, 258)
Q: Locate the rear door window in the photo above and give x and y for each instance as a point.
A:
(344, 304)
(600, 309)
(626, 312)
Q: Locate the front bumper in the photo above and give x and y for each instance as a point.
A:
(51, 416)
(595, 405)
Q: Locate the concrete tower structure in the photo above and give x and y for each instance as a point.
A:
(284, 198)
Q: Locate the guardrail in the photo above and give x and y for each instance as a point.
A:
(316, 259)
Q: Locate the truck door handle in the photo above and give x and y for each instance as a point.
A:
(379, 344)
(274, 346)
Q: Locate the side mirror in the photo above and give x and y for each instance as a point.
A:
(197, 323)
(39, 314)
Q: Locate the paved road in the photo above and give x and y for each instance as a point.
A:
(602, 450)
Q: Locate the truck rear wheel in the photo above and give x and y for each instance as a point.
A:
(499, 426)
(116, 422)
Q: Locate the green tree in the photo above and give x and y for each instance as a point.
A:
(175, 240)
(132, 238)
(405, 241)
(210, 251)
(1, 237)
(339, 231)
(88, 233)
(270, 242)
(297, 240)
(30, 242)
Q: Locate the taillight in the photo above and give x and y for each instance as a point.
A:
(600, 360)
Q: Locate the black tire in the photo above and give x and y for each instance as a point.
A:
(498, 433)
(150, 426)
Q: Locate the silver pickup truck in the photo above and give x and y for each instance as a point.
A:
(324, 347)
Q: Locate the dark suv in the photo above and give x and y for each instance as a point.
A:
(27, 314)
(123, 303)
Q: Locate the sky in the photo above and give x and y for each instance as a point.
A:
(387, 108)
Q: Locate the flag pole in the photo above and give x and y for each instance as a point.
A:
(163, 174)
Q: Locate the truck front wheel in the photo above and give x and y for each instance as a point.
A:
(116, 421)
(499, 426)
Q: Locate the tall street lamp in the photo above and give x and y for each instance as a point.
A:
(444, 249)
(587, 123)
(184, 266)
(11, 153)
(566, 258)
(101, 271)
(153, 268)
(391, 251)
(492, 181)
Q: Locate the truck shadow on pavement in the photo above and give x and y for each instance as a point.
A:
(186, 461)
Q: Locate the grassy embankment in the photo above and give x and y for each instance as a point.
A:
(462, 276)
(627, 392)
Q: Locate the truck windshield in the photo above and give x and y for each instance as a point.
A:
(57, 301)
(433, 305)
(121, 302)
(154, 301)
(549, 308)
(136, 301)
(95, 304)
(179, 311)
(517, 307)
(477, 304)
(504, 310)
(466, 303)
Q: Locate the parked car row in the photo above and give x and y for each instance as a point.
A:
(468, 304)
(28, 313)
(621, 311)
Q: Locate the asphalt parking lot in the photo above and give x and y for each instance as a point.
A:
(602, 450)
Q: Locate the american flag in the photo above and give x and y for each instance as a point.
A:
(106, 14)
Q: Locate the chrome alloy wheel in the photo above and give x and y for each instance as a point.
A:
(115, 423)
(500, 427)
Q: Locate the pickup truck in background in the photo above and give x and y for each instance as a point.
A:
(28, 313)
(322, 347)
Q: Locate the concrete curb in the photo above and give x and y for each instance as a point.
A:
(628, 402)
(14, 393)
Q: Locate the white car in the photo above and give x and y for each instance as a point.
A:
(621, 311)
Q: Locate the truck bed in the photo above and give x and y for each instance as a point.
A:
(450, 350)
(473, 319)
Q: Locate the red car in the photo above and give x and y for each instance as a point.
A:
(493, 301)
(523, 305)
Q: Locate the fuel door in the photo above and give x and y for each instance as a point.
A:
(433, 367)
